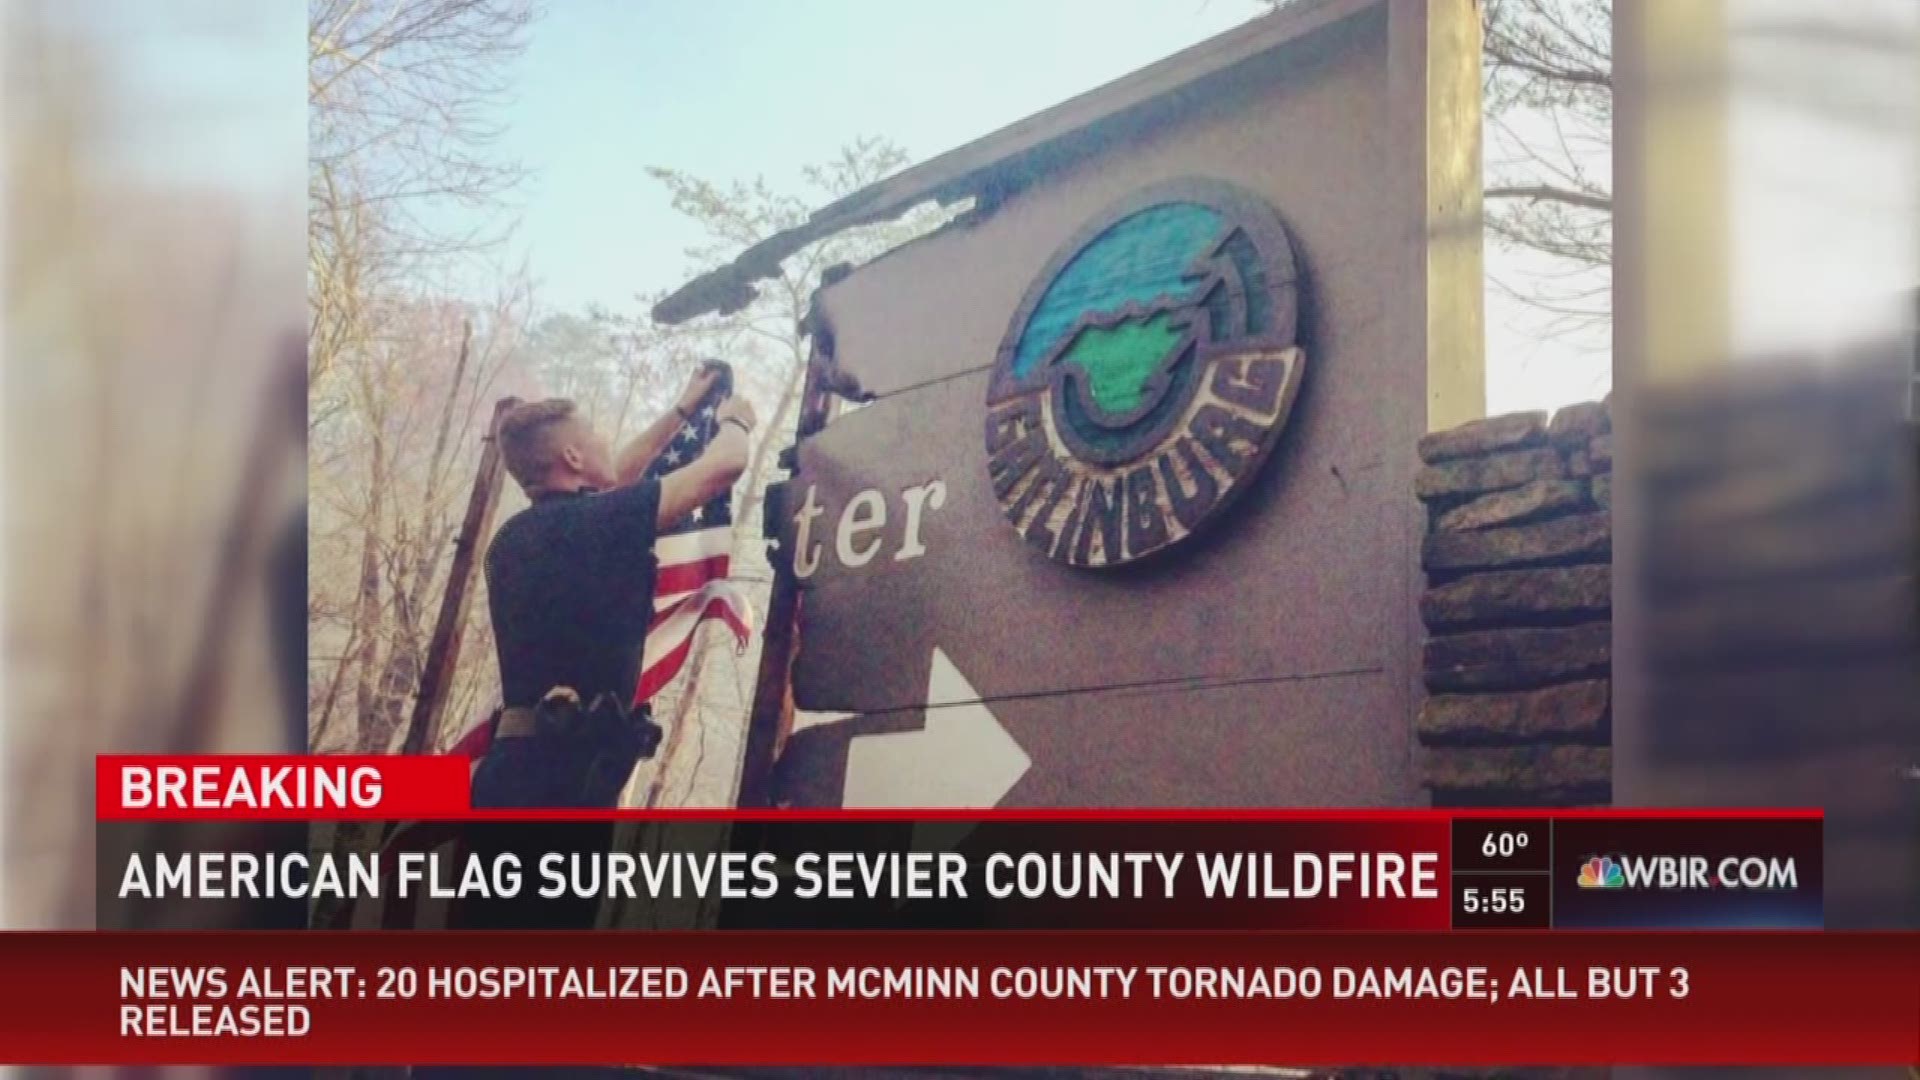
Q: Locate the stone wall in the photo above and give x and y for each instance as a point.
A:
(1517, 608)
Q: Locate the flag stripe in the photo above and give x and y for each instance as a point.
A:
(657, 677)
(674, 548)
(671, 639)
(475, 742)
(653, 679)
(674, 582)
(678, 605)
(679, 620)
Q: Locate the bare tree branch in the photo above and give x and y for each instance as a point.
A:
(1549, 193)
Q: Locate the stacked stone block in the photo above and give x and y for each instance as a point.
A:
(1518, 609)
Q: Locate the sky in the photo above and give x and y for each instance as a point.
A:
(734, 89)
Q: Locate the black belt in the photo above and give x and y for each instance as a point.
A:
(559, 753)
(515, 723)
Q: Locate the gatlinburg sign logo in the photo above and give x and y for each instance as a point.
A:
(1146, 375)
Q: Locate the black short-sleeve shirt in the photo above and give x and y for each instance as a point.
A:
(570, 586)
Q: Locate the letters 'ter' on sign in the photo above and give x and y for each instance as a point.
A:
(1146, 374)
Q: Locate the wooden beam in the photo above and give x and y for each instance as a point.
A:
(771, 718)
(443, 650)
(1671, 269)
(1434, 82)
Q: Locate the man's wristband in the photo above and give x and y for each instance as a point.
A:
(739, 423)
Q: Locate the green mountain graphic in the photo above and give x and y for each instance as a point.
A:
(1118, 360)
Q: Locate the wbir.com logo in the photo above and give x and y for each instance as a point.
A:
(1690, 872)
(1601, 872)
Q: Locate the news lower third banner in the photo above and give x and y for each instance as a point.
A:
(934, 937)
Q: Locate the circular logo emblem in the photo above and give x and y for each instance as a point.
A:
(1146, 375)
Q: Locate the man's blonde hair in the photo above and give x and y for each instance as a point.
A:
(530, 439)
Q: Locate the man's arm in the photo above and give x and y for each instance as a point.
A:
(634, 458)
(713, 472)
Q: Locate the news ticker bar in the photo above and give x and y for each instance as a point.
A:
(994, 998)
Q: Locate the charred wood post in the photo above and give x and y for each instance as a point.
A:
(443, 649)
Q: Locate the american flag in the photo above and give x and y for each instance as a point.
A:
(694, 556)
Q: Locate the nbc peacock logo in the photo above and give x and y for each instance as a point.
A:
(1146, 375)
(1602, 872)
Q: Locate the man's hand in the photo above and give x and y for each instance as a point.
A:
(712, 473)
(641, 452)
(697, 387)
(736, 408)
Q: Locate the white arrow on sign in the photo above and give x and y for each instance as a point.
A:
(961, 758)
